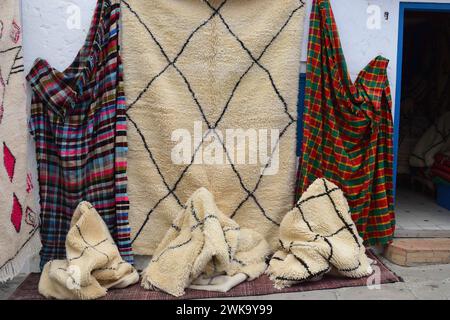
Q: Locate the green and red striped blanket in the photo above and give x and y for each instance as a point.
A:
(348, 129)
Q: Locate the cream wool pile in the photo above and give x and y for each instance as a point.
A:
(228, 64)
(318, 236)
(19, 205)
(93, 263)
(202, 244)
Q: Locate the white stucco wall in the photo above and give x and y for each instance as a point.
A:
(360, 44)
(46, 31)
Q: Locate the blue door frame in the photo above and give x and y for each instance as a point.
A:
(407, 6)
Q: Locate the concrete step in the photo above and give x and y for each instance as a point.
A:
(418, 251)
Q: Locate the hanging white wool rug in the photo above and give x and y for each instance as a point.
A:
(197, 71)
(19, 206)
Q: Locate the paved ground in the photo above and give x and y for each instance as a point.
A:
(426, 282)
(6, 289)
(418, 216)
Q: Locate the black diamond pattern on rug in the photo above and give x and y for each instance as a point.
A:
(211, 125)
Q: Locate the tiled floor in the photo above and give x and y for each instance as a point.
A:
(418, 216)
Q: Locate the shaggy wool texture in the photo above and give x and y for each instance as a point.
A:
(214, 65)
(93, 263)
(19, 205)
(318, 235)
(203, 243)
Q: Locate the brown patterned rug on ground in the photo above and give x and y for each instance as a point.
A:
(28, 290)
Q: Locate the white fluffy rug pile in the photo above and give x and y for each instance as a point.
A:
(93, 263)
(318, 235)
(211, 65)
(201, 245)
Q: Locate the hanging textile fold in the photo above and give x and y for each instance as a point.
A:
(78, 121)
(347, 136)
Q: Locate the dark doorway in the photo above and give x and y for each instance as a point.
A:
(424, 126)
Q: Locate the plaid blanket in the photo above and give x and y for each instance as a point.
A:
(347, 135)
(78, 121)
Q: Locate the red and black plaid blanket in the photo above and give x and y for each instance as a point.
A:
(347, 135)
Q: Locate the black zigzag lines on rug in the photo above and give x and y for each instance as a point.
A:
(311, 275)
(88, 245)
(14, 54)
(346, 227)
(212, 127)
(16, 65)
(200, 224)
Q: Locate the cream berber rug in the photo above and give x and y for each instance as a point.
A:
(318, 236)
(93, 263)
(205, 248)
(19, 202)
(193, 70)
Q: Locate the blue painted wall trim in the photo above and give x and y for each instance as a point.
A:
(300, 110)
(407, 6)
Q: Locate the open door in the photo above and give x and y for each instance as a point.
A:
(422, 121)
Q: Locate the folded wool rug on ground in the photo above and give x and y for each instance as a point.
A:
(348, 130)
(204, 243)
(93, 263)
(316, 236)
(19, 205)
(212, 65)
(261, 286)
